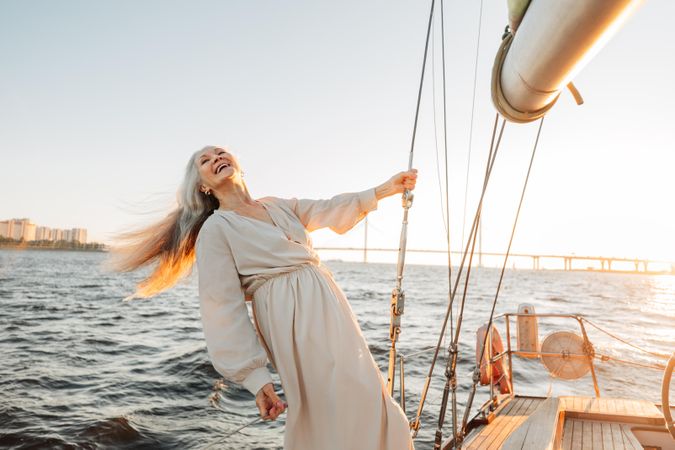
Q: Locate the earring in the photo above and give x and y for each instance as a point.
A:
(207, 192)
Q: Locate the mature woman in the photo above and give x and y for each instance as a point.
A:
(260, 250)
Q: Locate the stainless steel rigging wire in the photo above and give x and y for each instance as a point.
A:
(444, 201)
(445, 206)
(451, 365)
(447, 177)
(492, 153)
(473, 108)
(398, 296)
(499, 284)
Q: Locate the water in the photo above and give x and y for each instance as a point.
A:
(84, 370)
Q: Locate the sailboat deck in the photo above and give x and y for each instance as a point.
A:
(611, 409)
(589, 423)
(596, 435)
(508, 419)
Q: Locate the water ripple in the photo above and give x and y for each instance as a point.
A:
(83, 370)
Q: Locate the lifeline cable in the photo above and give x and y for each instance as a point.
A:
(623, 341)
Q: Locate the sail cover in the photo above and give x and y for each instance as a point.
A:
(553, 41)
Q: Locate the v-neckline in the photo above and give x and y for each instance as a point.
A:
(269, 214)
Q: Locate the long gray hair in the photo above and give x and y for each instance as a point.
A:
(171, 241)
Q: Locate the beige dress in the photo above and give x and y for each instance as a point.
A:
(336, 394)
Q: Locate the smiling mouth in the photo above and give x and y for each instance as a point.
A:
(222, 166)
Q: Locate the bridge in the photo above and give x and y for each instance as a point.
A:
(569, 262)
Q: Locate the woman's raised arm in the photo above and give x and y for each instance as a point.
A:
(341, 212)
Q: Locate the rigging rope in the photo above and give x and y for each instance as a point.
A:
(473, 107)
(419, 92)
(451, 364)
(605, 358)
(501, 278)
(214, 400)
(224, 438)
(447, 178)
(438, 163)
(656, 354)
(493, 150)
(445, 206)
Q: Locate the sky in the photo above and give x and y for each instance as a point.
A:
(102, 103)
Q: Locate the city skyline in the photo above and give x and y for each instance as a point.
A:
(22, 229)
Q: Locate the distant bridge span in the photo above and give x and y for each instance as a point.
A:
(605, 262)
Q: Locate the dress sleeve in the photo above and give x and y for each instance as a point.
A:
(339, 213)
(231, 340)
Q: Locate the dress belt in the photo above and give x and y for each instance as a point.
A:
(251, 283)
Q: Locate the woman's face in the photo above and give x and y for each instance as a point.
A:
(216, 166)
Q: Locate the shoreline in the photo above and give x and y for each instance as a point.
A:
(29, 247)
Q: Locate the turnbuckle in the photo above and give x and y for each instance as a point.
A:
(450, 367)
(415, 426)
(397, 305)
(407, 199)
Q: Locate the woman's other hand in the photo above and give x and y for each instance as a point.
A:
(397, 184)
(268, 402)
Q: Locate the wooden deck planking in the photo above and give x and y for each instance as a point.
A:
(629, 439)
(607, 442)
(515, 418)
(577, 435)
(590, 423)
(596, 441)
(538, 429)
(617, 410)
(492, 436)
(626, 407)
(488, 429)
(587, 436)
(617, 435)
(568, 429)
(499, 432)
(593, 435)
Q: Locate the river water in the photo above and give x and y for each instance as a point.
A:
(82, 369)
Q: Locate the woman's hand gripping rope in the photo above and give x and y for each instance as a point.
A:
(263, 399)
(397, 184)
(268, 402)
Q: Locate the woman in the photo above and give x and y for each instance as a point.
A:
(260, 250)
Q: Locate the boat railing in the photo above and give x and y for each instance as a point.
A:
(589, 352)
(588, 349)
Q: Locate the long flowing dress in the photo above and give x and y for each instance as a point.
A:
(336, 394)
